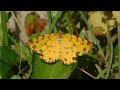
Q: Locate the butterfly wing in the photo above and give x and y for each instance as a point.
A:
(82, 45)
(63, 47)
(36, 44)
(68, 51)
(50, 51)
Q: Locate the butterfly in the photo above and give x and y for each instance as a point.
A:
(59, 47)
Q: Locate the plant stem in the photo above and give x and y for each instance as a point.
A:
(93, 36)
(20, 27)
(111, 52)
(87, 73)
(118, 29)
(4, 28)
(110, 59)
(49, 18)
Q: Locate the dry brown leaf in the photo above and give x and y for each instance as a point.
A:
(98, 21)
(116, 15)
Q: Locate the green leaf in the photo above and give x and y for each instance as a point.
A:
(8, 15)
(30, 17)
(25, 54)
(8, 57)
(58, 70)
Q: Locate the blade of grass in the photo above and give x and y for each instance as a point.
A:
(4, 28)
(111, 52)
(101, 73)
(105, 70)
(110, 59)
(49, 18)
(87, 73)
(55, 20)
(72, 23)
(51, 23)
(20, 58)
(12, 39)
(68, 23)
(20, 27)
(118, 30)
(92, 34)
(52, 18)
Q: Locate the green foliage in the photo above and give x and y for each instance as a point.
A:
(42, 70)
(8, 58)
(4, 28)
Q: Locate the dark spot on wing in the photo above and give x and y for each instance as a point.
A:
(77, 53)
(37, 41)
(74, 45)
(66, 47)
(84, 49)
(37, 38)
(50, 58)
(65, 59)
(82, 43)
(42, 37)
(31, 41)
(74, 58)
(41, 50)
(41, 55)
(45, 43)
(33, 46)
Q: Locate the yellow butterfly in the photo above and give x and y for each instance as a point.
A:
(59, 46)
